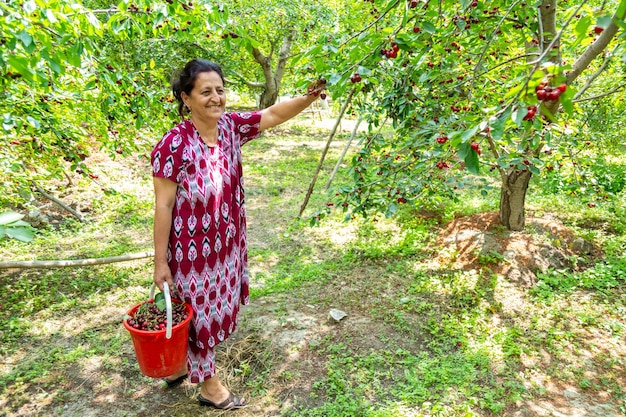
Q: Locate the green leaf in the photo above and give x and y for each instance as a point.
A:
(582, 28)
(429, 27)
(3, 232)
(27, 41)
(51, 17)
(96, 27)
(9, 217)
(604, 21)
(159, 300)
(471, 161)
(469, 133)
(518, 115)
(25, 234)
(33, 122)
(463, 150)
(391, 210)
(534, 170)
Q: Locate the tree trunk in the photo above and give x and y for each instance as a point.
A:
(512, 199)
(269, 95)
(273, 77)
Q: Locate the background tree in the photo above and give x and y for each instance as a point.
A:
(470, 86)
(77, 77)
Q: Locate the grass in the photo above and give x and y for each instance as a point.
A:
(419, 339)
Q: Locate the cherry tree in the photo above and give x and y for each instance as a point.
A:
(77, 76)
(469, 86)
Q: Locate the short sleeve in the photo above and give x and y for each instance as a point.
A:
(247, 125)
(167, 157)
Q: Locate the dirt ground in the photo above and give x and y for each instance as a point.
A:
(286, 339)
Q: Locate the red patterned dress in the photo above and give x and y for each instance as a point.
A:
(207, 250)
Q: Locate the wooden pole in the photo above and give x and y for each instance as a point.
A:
(330, 139)
(75, 262)
(345, 150)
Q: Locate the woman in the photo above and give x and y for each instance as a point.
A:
(199, 219)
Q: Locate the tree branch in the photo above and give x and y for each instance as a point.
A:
(595, 48)
(59, 202)
(595, 75)
(608, 93)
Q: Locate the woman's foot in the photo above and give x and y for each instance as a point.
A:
(176, 379)
(232, 402)
(214, 394)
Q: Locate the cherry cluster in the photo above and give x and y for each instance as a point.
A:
(442, 139)
(355, 78)
(475, 146)
(546, 92)
(148, 317)
(442, 165)
(392, 52)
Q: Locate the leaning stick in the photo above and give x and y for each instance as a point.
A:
(345, 150)
(59, 202)
(330, 139)
(75, 262)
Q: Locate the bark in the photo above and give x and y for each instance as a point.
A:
(273, 76)
(513, 199)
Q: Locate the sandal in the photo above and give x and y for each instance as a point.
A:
(231, 403)
(171, 383)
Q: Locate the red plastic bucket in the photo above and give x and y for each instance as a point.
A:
(157, 355)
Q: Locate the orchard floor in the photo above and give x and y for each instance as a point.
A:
(278, 333)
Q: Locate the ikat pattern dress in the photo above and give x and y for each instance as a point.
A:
(207, 251)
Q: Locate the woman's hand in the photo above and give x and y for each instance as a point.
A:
(162, 273)
(316, 87)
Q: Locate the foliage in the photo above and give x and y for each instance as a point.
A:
(78, 77)
(461, 91)
(12, 226)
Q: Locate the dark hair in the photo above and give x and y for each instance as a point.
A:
(185, 80)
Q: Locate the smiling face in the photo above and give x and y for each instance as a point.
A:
(207, 100)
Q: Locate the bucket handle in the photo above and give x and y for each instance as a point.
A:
(168, 307)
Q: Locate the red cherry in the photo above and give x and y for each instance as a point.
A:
(562, 88)
(541, 94)
(416, 29)
(598, 30)
(553, 95)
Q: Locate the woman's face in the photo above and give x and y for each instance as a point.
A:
(207, 100)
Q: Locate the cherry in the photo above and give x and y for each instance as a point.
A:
(532, 110)
(553, 95)
(541, 94)
(598, 30)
